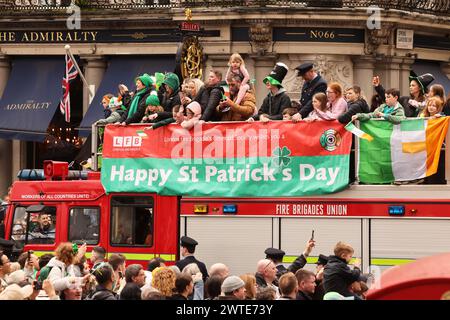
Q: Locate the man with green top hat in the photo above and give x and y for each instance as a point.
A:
(277, 99)
(136, 108)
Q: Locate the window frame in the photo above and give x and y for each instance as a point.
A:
(99, 222)
(27, 230)
(112, 206)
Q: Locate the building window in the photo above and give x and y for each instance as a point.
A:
(84, 225)
(132, 221)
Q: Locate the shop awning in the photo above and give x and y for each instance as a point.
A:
(31, 97)
(123, 69)
(434, 68)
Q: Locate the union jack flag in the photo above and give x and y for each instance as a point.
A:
(71, 73)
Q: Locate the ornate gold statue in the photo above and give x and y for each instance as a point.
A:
(192, 56)
(188, 13)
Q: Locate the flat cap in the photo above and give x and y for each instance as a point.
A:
(305, 67)
(273, 253)
(188, 242)
(323, 259)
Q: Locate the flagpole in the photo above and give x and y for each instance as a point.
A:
(67, 47)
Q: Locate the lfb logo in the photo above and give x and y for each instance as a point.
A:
(128, 141)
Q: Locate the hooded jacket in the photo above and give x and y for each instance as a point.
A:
(337, 276)
(358, 106)
(396, 116)
(58, 275)
(274, 104)
(197, 110)
(209, 98)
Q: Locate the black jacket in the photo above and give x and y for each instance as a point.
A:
(177, 296)
(273, 105)
(131, 291)
(140, 111)
(191, 259)
(318, 84)
(303, 296)
(319, 292)
(101, 293)
(358, 106)
(209, 98)
(260, 282)
(446, 108)
(337, 276)
(299, 263)
(168, 102)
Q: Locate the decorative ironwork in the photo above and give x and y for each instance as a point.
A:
(191, 58)
(435, 7)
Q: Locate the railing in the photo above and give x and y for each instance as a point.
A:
(434, 7)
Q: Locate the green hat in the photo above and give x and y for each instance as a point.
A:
(152, 100)
(272, 81)
(277, 75)
(145, 79)
(172, 81)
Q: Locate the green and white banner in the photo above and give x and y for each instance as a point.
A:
(228, 160)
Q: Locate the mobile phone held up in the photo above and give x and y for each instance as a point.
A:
(312, 235)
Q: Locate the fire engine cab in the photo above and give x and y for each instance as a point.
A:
(387, 225)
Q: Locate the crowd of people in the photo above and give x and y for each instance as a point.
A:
(69, 275)
(161, 99)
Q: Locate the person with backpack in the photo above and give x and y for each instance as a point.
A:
(57, 268)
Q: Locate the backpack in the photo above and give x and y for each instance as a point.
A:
(44, 272)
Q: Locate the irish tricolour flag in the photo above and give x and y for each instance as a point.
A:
(402, 152)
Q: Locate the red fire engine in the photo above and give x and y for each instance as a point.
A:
(387, 225)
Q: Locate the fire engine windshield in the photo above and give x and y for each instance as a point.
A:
(34, 227)
(132, 221)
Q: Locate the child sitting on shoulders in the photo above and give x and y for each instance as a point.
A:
(236, 66)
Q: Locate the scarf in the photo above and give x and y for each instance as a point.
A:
(135, 102)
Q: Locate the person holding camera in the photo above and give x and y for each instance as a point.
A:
(229, 110)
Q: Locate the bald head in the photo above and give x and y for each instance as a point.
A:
(267, 269)
(219, 269)
(262, 264)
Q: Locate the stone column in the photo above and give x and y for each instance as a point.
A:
(5, 145)
(263, 65)
(363, 72)
(94, 70)
(390, 67)
(405, 69)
